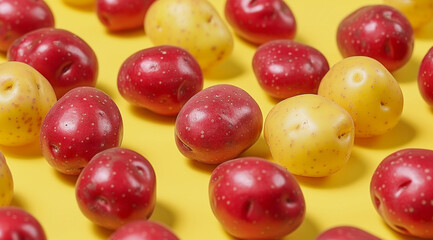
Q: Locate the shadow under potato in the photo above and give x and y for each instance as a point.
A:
(400, 135)
(354, 170)
(29, 151)
(226, 70)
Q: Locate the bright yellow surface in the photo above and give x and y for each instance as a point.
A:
(182, 197)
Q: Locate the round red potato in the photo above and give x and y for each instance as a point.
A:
(62, 57)
(425, 77)
(17, 223)
(377, 31)
(256, 199)
(286, 68)
(116, 187)
(120, 15)
(218, 124)
(161, 79)
(84, 122)
(402, 194)
(346, 233)
(19, 17)
(259, 21)
(143, 230)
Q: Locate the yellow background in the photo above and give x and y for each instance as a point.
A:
(182, 197)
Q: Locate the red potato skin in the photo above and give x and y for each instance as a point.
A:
(254, 198)
(346, 233)
(62, 57)
(19, 17)
(377, 31)
(143, 230)
(218, 124)
(425, 77)
(161, 79)
(117, 186)
(260, 21)
(402, 194)
(82, 123)
(286, 68)
(122, 15)
(16, 222)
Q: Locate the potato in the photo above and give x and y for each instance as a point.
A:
(25, 98)
(193, 25)
(6, 182)
(309, 135)
(368, 91)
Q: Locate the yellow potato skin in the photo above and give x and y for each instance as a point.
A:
(418, 12)
(309, 135)
(6, 183)
(193, 25)
(368, 91)
(25, 98)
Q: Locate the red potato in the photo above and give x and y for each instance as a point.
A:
(62, 57)
(346, 233)
(377, 31)
(425, 77)
(402, 194)
(122, 15)
(218, 124)
(117, 186)
(84, 122)
(256, 199)
(19, 17)
(259, 21)
(161, 79)
(143, 230)
(286, 68)
(17, 223)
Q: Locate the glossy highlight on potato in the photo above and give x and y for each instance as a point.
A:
(368, 91)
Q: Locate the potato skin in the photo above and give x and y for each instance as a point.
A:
(309, 135)
(368, 91)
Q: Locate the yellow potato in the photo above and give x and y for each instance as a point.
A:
(25, 98)
(418, 12)
(6, 182)
(368, 91)
(193, 25)
(309, 135)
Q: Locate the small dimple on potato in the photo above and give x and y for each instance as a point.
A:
(368, 91)
(309, 135)
(25, 98)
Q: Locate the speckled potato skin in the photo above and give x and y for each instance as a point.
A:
(6, 182)
(193, 25)
(25, 98)
(118, 186)
(402, 194)
(368, 91)
(309, 135)
(217, 124)
(84, 122)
